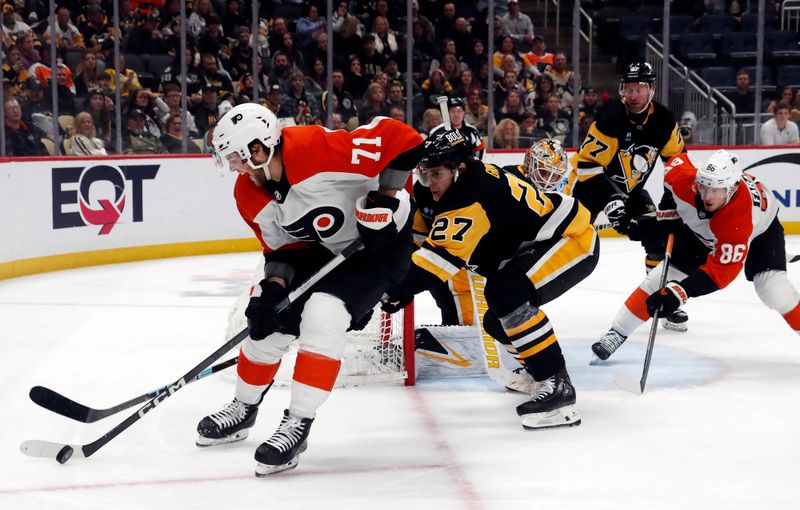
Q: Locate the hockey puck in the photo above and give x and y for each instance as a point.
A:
(64, 454)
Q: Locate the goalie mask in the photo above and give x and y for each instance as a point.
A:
(720, 171)
(546, 164)
(446, 148)
(241, 126)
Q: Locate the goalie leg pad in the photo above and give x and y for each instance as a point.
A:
(325, 320)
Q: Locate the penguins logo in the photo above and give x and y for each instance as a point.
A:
(318, 224)
(636, 162)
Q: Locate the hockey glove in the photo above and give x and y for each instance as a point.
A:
(375, 217)
(666, 300)
(618, 215)
(668, 221)
(396, 298)
(262, 318)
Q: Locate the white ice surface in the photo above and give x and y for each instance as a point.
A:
(717, 427)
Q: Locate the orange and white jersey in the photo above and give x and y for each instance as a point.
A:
(728, 231)
(324, 174)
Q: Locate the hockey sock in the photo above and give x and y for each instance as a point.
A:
(253, 378)
(314, 377)
(777, 292)
(792, 317)
(533, 337)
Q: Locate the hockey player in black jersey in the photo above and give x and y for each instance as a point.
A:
(456, 112)
(617, 157)
(531, 246)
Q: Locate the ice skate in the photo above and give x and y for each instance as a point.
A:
(676, 321)
(520, 381)
(552, 404)
(227, 426)
(282, 451)
(607, 344)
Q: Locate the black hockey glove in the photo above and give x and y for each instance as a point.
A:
(262, 318)
(617, 214)
(666, 300)
(396, 298)
(668, 221)
(375, 217)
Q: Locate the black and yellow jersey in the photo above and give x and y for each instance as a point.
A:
(488, 215)
(625, 148)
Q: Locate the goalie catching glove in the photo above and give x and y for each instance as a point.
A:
(667, 299)
(376, 217)
(262, 318)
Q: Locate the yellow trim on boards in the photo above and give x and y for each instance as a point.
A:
(789, 228)
(37, 265)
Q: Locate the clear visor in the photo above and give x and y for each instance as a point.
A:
(226, 163)
(437, 174)
(709, 192)
(422, 176)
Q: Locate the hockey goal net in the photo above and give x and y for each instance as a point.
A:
(381, 352)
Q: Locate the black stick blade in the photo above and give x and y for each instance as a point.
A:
(60, 404)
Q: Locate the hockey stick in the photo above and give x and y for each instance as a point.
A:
(62, 452)
(792, 258)
(624, 381)
(442, 100)
(59, 404)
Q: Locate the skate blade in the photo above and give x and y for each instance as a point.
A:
(674, 326)
(565, 416)
(596, 362)
(205, 442)
(263, 470)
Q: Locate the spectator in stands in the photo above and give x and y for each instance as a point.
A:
(512, 108)
(502, 87)
(233, 17)
(136, 139)
(12, 27)
(385, 40)
(95, 28)
(66, 96)
(275, 101)
(476, 56)
(68, 37)
(563, 80)
(371, 61)
(464, 83)
(15, 75)
(36, 100)
(209, 74)
(795, 105)
(397, 113)
(206, 114)
(444, 24)
(535, 100)
(396, 96)
(506, 46)
(316, 78)
(382, 10)
(347, 104)
(101, 107)
(527, 129)
(172, 139)
(144, 101)
(554, 121)
(172, 101)
(355, 82)
(21, 139)
(427, 26)
(30, 55)
(292, 52)
(309, 25)
(506, 136)
(86, 74)
(241, 59)
(587, 110)
(786, 95)
(451, 68)
(517, 25)
(779, 130)
(743, 99)
(128, 77)
(462, 39)
(280, 70)
(431, 118)
(476, 113)
(340, 14)
(436, 85)
(298, 101)
(423, 44)
(147, 38)
(212, 40)
(84, 141)
(373, 104)
(199, 17)
(347, 42)
(538, 57)
(172, 74)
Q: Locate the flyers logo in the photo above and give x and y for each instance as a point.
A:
(236, 118)
(318, 225)
(635, 162)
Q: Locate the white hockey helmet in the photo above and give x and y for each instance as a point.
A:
(238, 128)
(546, 164)
(720, 170)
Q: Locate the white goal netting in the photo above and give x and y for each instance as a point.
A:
(374, 354)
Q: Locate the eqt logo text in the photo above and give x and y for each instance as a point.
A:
(97, 195)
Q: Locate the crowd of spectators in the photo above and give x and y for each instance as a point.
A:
(533, 88)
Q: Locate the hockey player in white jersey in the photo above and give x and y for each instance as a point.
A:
(307, 193)
(729, 223)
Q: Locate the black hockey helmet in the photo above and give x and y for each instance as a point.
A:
(639, 72)
(446, 147)
(452, 102)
